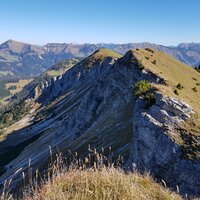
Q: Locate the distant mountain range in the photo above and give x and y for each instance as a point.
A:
(18, 59)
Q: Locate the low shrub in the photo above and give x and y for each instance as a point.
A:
(140, 66)
(179, 86)
(149, 50)
(13, 87)
(141, 87)
(14, 114)
(3, 91)
(194, 89)
(194, 79)
(176, 92)
(154, 62)
(149, 100)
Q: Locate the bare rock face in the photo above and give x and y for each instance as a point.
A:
(153, 148)
(95, 100)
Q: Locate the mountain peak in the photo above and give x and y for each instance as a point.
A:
(102, 53)
(99, 55)
(13, 45)
(188, 45)
(11, 41)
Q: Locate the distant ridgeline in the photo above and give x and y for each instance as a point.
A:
(22, 60)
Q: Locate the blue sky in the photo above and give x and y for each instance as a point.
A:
(166, 22)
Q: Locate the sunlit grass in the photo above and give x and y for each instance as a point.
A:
(94, 177)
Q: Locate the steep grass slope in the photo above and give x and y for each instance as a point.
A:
(174, 73)
(180, 82)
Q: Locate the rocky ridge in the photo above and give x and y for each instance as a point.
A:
(93, 103)
(153, 148)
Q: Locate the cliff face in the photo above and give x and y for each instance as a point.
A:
(94, 103)
(153, 148)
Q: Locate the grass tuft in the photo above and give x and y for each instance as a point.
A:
(176, 92)
(108, 184)
(141, 87)
(194, 89)
(179, 86)
(92, 178)
(149, 100)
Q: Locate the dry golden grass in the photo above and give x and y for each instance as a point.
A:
(173, 72)
(100, 55)
(94, 177)
(103, 52)
(105, 183)
(180, 82)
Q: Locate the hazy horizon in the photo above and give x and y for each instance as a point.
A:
(166, 23)
(98, 43)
